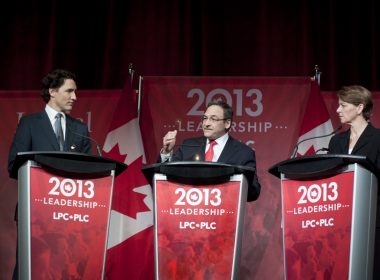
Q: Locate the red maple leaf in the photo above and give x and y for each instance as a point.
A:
(310, 151)
(115, 154)
(125, 200)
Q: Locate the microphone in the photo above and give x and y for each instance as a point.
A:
(72, 147)
(314, 137)
(322, 150)
(185, 145)
(196, 156)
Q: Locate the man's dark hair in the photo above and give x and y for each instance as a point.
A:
(227, 110)
(54, 79)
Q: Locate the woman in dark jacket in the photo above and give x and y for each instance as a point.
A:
(355, 108)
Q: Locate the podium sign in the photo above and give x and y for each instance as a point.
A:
(196, 228)
(329, 215)
(317, 226)
(67, 224)
(328, 224)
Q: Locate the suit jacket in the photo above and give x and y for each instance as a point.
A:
(234, 153)
(368, 144)
(35, 133)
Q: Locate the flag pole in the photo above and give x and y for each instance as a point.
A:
(317, 74)
(131, 72)
(139, 98)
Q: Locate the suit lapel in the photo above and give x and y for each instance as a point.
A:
(227, 150)
(364, 139)
(47, 130)
(202, 143)
(344, 141)
(68, 136)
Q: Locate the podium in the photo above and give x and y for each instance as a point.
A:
(64, 203)
(198, 218)
(328, 216)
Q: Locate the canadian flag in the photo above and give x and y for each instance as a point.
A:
(130, 250)
(316, 122)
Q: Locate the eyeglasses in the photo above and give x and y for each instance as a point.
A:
(212, 119)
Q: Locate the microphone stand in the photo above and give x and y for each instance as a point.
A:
(89, 138)
(314, 137)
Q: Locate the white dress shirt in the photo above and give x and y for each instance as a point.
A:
(51, 114)
(219, 147)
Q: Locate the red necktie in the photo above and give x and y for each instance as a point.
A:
(210, 152)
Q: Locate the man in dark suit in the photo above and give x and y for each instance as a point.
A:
(37, 132)
(216, 123)
(52, 129)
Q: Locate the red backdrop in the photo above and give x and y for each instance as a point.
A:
(268, 111)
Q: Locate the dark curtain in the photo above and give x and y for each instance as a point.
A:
(98, 39)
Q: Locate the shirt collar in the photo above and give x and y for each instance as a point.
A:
(52, 113)
(222, 140)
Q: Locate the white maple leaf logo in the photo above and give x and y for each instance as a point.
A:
(314, 194)
(194, 197)
(68, 188)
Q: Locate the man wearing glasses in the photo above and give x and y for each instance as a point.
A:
(215, 144)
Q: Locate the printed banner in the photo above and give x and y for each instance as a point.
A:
(69, 223)
(196, 229)
(317, 227)
(261, 110)
(267, 116)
